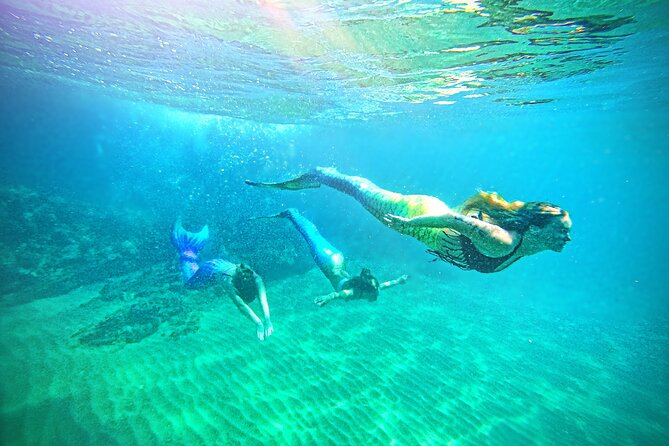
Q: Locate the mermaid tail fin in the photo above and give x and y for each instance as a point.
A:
(189, 244)
(288, 213)
(305, 181)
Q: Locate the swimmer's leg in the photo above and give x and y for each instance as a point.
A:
(189, 245)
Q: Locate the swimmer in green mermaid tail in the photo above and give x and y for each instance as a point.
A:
(485, 233)
(331, 262)
(246, 285)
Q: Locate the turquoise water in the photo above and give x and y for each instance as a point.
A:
(118, 119)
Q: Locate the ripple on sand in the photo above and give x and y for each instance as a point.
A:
(349, 373)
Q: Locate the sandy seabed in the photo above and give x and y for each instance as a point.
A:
(428, 363)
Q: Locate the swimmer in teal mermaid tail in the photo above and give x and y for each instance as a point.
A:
(331, 262)
(245, 284)
(485, 233)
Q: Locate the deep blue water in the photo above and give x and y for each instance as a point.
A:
(604, 164)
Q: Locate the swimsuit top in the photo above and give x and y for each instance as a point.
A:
(461, 252)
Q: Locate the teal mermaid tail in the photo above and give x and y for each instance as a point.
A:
(329, 259)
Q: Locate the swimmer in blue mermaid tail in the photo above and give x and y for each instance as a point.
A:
(331, 262)
(485, 233)
(245, 284)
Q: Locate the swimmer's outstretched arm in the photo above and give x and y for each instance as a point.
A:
(327, 298)
(262, 296)
(391, 283)
(489, 238)
(248, 312)
(346, 294)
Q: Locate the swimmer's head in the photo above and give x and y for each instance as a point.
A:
(365, 285)
(244, 283)
(549, 224)
(546, 225)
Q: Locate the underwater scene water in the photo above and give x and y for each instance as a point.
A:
(119, 118)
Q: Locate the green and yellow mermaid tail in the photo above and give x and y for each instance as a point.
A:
(376, 200)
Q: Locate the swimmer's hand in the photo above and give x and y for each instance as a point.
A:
(401, 280)
(260, 331)
(269, 328)
(323, 300)
(395, 221)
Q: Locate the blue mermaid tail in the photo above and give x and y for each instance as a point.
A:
(189, 245)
